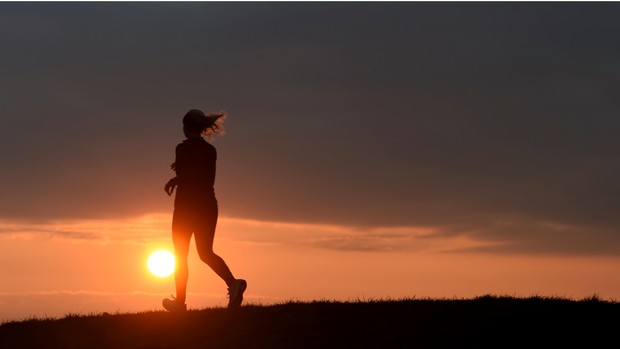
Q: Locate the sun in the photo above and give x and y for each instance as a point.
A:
(161, 263)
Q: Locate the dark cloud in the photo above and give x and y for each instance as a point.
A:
(493, 120)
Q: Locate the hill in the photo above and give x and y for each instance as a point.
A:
(486, 321)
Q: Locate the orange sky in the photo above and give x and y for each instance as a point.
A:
(107, 272)
(372, 149)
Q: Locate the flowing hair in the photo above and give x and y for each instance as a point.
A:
(207, 125)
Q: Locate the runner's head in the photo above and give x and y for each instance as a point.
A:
(197, 123)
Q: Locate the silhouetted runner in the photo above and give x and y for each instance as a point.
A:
(195, 206)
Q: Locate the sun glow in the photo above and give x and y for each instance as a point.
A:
(161, 263)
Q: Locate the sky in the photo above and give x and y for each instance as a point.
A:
(372, 150)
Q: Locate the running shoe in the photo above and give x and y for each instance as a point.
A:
(235, 293)
(174, 306)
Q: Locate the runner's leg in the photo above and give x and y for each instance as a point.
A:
(181, 237)
(204, 236)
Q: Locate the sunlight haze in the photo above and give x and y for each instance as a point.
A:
(372, 150)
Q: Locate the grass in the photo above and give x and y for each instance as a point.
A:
(485, 321)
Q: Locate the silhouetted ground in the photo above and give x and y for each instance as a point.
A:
(486, 321)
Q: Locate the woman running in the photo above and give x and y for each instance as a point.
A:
(195, 206)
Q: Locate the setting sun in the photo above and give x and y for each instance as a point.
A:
(161, 263)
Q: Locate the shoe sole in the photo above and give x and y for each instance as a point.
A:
(237, 298)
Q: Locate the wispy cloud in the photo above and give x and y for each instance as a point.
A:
(507, 235)
(136, 229)
(156, 227)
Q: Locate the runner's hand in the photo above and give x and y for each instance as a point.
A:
(169, 187)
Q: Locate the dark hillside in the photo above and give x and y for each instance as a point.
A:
(481, 322)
